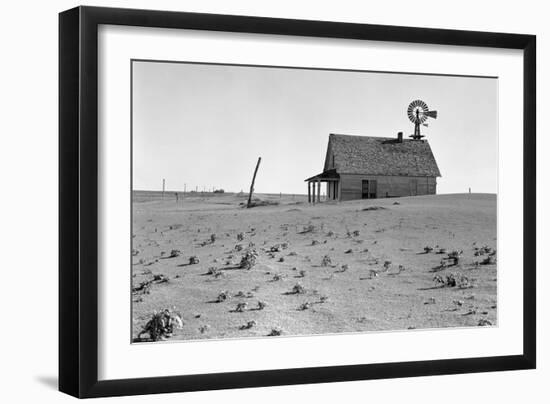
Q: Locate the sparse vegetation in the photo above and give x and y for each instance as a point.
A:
(284, 246)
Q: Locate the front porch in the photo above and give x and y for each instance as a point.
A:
(332, 180)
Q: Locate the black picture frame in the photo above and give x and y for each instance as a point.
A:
(78, 201)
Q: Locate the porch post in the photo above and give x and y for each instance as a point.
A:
(318, 190)
(309, 191)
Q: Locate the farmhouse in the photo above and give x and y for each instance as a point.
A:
(364, 167)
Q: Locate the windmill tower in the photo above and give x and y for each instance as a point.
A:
(419, 113)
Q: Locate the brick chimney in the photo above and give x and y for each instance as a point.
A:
(399, 137)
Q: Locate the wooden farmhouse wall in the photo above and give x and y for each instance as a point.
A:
(387, 186)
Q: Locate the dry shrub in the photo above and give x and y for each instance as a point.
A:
(484, 322)
(343, 268)
(223, 296)
(144, 287)
(249, 259)
(275, 332)
(428, 249)
(174, 253)
(304, 306)
(213, 271)
(374, 208)
(308, 229)
(297, 290)
(453, 280)
(484, 250)
(204, 328)
(240, 293)
(261, 305)
(248, 325)
(162, 325)
(160, 278)
(430, 300)
(240, 236)
(241, 307)
(373, 273)
(193, 260)
(454, 256)
(326, 261)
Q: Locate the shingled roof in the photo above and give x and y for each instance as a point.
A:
(380, 156)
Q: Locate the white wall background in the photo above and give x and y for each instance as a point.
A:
(28, 206)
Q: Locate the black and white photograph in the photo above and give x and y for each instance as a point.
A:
(275, 201)
(280, 201)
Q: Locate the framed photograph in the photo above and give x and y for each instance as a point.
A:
(250, 201)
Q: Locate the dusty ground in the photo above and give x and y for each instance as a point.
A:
(354, 292)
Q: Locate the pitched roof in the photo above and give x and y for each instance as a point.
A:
(380, 156)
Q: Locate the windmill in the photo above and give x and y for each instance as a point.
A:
(419, 113)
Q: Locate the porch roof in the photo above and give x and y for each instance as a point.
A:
(328, 175)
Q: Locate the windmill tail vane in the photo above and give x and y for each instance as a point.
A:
(419, 113)
(432, 114)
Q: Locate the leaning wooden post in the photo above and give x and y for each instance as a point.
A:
(252, 185)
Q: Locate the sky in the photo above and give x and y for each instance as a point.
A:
(202, 126)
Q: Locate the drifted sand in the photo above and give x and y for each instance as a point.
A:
(356, 300)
